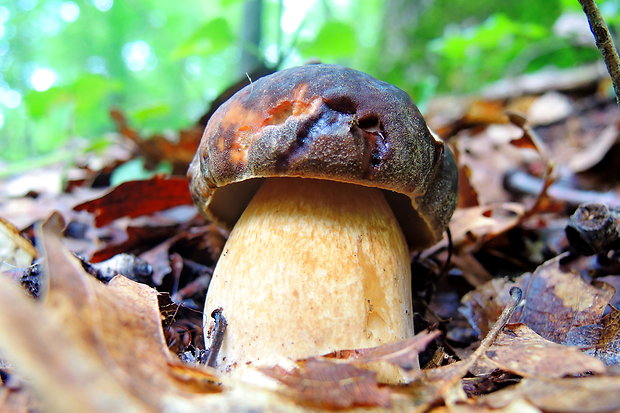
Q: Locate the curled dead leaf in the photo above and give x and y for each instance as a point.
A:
(521, 351)
(555, 301)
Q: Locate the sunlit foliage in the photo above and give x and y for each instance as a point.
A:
(65, 63)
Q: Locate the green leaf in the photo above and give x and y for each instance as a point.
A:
(39, 104)
(134, 170)
(86, 93)
(335, 39)
(150, 112)
(90, 89)
(214, 36)
(227, 3)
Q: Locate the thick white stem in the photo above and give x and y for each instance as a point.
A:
(311, 267)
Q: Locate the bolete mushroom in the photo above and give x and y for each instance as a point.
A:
(328, 178)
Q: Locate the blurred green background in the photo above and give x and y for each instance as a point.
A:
(64, 64)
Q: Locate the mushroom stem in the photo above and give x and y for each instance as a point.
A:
(312, 266)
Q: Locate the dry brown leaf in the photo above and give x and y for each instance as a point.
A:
(516, 406)
(473, 271)
(602, 340)
(15, 250)
(548, 108)
(157, 148)
(468, 196)
(12, 401)
(103, 348)
(550, 79)
(567, 395)
(521, 351)
(474, 226)
(555, 301)
(594, 153)
(210, 241)
(14, 396)
(485, 112)
(403, 354)
(489, 154)
(69, 377)
(331, 385)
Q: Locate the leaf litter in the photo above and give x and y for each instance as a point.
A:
(135, 344)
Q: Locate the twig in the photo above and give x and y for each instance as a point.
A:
(448, 262)
(531, 137)
(517, 181)
(604, 42)
(516, 294)
(218, 336)
(201, 283)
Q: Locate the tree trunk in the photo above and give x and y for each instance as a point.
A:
(251, 36)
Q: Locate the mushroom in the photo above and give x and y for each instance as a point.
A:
(328, 178)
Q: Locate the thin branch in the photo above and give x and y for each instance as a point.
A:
(604, 42)
(217, 336)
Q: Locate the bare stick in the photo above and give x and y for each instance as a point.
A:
(604, 42)
(218, 332)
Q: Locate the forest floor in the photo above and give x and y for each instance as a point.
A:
(538, 209)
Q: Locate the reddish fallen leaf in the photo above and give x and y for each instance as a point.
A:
(521, 351)
(136, 198)
(602, 340)
(331, 385)
(555, 301)
(403, 354)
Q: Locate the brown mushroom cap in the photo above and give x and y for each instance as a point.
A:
(326, 122)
